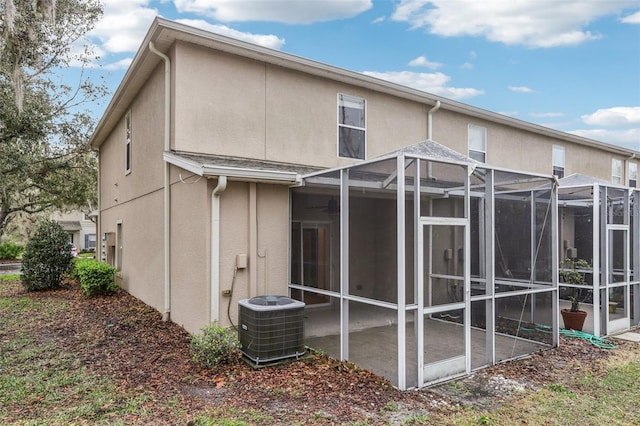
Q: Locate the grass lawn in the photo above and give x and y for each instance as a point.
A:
(68, 359)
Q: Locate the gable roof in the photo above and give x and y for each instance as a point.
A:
(578, 179)
(432, 149)
(163, 33)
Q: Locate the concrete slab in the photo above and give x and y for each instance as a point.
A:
(628, 336)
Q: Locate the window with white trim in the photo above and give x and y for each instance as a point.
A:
(633, 175)
(558, 161)
(352, 129)
(127, 143)
(478, 143)
(616, 171)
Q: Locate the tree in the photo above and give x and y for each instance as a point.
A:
(45, 158)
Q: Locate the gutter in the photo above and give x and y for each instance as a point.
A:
(166, 314)
(215, 248)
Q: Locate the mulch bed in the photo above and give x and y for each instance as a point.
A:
(121, 338)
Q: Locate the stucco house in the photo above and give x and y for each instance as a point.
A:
(80, 226)
(229, 170)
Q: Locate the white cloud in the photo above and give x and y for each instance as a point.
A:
(546, 114)
(123, 25)
(626, 138)
(467, 66)
(521, 89)
(422, 61)
(265, 40)
(631, 19)
(122, 64)
(517, 22)
(379, 20)
(287, 11)
(435, 83)
(613, 117)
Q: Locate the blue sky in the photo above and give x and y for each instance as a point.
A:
(572, 65)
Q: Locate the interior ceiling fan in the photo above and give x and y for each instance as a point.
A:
(331, 207)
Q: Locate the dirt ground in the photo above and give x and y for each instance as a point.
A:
(121, 338)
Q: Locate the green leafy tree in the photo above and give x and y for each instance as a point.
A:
(47, 257)
(45, 158)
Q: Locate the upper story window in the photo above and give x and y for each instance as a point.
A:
(352, 129)
(127, 143)
(616, 171)
(633, 175)
(478, 143)
(558, 161)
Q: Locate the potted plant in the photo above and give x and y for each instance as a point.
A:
(572, 272)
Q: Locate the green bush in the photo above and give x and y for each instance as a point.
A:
(47, 257)
(10, 250)
(215, 346)
(95, 277)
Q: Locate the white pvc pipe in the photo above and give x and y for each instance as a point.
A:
(430, 120)
(215, 248)
(167, 182)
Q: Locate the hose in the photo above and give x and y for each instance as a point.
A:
(599, 342)
(594, 340)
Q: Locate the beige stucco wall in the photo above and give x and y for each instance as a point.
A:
(190, 250)
(135, 200)
(512, 148)
(228, 105)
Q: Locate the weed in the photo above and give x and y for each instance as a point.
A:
(416, 419)
(391, 406)
(484, 420)
(216, 345)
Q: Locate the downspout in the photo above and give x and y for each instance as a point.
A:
(626, 168)
(253, 240)
(430, 120)
(167, 182)
(215, 247)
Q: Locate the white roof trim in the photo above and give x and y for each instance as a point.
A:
(233, 173)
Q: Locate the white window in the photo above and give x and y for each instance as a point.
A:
(616, 171)
(478, 143)
(558, 161)
(633, 175)
(352, 129)
(127, 143)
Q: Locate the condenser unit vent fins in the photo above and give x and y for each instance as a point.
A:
(271, 328)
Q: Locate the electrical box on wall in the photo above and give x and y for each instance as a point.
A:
(241, 261)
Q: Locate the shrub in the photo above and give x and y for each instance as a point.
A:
(215, 346)
(47, 257)
(10, 250)
(95, 277)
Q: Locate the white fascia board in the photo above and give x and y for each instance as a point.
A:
(189, 165)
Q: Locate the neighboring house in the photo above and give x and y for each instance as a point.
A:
(80, 226)
(228, 170)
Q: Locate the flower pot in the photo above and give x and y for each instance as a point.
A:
(573, 320)
(613, 306)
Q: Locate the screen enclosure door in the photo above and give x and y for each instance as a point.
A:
(618, 312)
(311, 260)
(443, 334)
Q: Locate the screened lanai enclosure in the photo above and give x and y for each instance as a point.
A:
(600, 225)
(424, 265)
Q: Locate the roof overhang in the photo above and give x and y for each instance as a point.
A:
(245, 170)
